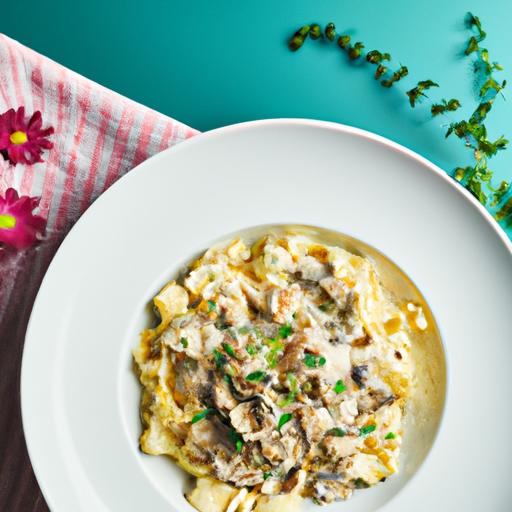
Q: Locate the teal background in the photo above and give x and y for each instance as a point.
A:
(211, 63)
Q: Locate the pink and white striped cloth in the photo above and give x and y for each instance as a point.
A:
(99, 136)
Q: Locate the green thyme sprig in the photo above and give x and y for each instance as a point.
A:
(476, 178)
(353, 51)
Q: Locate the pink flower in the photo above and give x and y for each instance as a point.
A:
(19, 228)
(21, 141)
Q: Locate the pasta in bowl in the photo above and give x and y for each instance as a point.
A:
(281, 370)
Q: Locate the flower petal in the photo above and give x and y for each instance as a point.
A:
(19, 121)
(36, 121)
(11, 195)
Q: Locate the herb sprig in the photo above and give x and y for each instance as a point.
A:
(202, 415)
(293, 386)
(477, 178)
(473, 131)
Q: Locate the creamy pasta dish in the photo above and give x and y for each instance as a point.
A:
(280, 371)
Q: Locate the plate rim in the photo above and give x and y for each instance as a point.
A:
(198, 139)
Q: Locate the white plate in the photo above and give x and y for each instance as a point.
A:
(79, 393)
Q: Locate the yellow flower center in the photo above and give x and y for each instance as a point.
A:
(7, 221)
(18, 137)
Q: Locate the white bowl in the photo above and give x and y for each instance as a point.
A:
(79, 393)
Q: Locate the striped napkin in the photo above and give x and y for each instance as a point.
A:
(99, 136)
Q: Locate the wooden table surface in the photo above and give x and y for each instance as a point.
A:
(19, 491)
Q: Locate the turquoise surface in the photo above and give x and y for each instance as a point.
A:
(212, 63)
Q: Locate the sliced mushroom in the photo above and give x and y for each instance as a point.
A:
(315, 422)
(359, 374)
(253, 419)
(374, 399)
(222, 396)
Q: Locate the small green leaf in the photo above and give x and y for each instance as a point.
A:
(267, 475)
(285, 418)
(294, 387)
(298, 38)
(251, 349)
(285, 331)
(310, 360)
(474, 185)
(414, 94)
(212, 306)
(330, 31)
(339, 387)
(505, 211)
(359, 483)
(227, 378)
(390, 435)
(444, 106)
(244, 330)
(184, 342)
(473, 21)
(343, 41)
(460, 173)
(403, 71)
(326, 306)
(201, 415)
(500, 192)
(274, 344)
(453, 105)
(256, 376)
(292, 380)
(236, 439)
(220, 359)
(380, 71)
(491, 84)
(315, 32)
(286, 401)
(374, 57)
(228, 348)
(272, 359)
(229, 370)
(7, 221)
(354, 52)
(472, 46)
(368, 429)
(427, 84)
(336, 431)
(437, 109)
